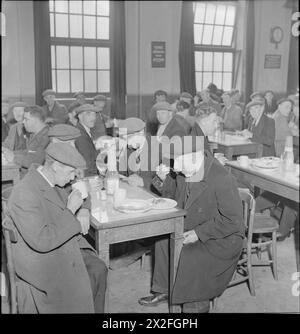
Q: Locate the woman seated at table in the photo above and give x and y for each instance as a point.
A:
(231, 114)
(17, 135)
(262, 128)
(282, 129)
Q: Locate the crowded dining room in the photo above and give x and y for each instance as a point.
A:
(150, 157)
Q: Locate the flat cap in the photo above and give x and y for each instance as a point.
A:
(132, 124)
(256, 94)
(284, 99)
(66, 154)
(100, 98)
(186, 95)
(162, 106)
(48, 92)
(255, 103)
(73, 105)
(18, 104)
(64, 132)
(85, 107)
(78, 94)
(160, 92)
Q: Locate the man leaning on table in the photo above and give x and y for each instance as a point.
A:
(58, 271)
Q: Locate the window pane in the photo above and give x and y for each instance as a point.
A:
(220, 17)
(217, 38)
(207, 35)
(207, 79)
(198, 61)
(217, 79)
(90, 81)
(103, 27)
(198, 31)
(62, 54)
(218, 61)
(227, 81)
(89, 7)
(198, 81)
(75, 26)
(53, 63)
(63, 84)
(76, 81)
(90, 58)
(103, 8)
(207, 65)
(76, 57)
(200, 11)
(227, 62)
(210, 13)
(89, 27)
(61, 6)
(52, 25)
(76, 7)
(51, 5)
(230, 15)
(227, 37)
(53, 80)
(103, 81)
(61, 25)
(103, 58)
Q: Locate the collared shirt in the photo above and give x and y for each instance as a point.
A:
(39, 169)
(88, 130)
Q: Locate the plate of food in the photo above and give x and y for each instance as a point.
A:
(162, 203)
(267, 163)
(134, 206)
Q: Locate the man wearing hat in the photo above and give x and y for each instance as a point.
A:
(232, 114)
(213, 232)
(34, 123)
(86, 114)
(102, 121)
(56, 112)
(256, 96)
(64, 133)
(58, 271)
(80, 98)
(261, 129)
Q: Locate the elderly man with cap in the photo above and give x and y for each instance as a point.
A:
(261, 129)
(4, 124)
(58, 271)
(86, 114)
(213, 232)
(34, 123)
(56, 112)
(232, 114)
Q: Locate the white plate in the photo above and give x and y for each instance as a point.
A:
(267, 163)
(134, 206)
(235, 138)
(162, 203)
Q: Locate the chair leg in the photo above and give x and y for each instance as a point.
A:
(258, 250)
(143, 261)
(274, 255)
(250, 279)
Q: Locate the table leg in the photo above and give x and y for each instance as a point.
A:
(176, 242)
(102, 247)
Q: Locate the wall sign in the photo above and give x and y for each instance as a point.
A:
(158, 54)
(272, 61)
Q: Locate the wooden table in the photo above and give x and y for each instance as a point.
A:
(125, 227)
(10, 172)
(278, 182)
(231, 147)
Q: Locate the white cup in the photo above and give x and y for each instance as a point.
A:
(243, 160)
(81, 186)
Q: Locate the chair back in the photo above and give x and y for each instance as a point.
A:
(10, 236)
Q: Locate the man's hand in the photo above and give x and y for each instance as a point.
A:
(162, 171)
(83, 216)
(190, 237)
(74, 201)
(246, 133)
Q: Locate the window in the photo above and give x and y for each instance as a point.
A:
(80, 47)
(214, 39)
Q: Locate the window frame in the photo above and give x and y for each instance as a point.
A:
(217, 48)
(79, 42)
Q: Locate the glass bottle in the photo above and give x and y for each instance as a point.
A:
(288, 155)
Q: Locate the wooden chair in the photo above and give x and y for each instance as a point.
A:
(255, 224)
(10, 236)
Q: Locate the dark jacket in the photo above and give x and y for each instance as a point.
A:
(86, 148)
(197, 131)
(59, 113)
(100, 128)
(270, 108)
(214, 211)
(17, 138)
(4, 129)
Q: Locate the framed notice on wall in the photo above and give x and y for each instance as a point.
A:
(272, 61)
(158, 54)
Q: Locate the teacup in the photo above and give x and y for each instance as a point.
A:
(243, 160)
(82, 187)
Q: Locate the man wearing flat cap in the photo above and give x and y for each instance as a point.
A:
(86, 114)
(56, 112)
(58, 271)
(256, 96)
(213, 232)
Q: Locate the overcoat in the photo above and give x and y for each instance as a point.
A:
(47, 253)
(214, 211)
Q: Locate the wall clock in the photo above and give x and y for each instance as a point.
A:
(276, 35)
